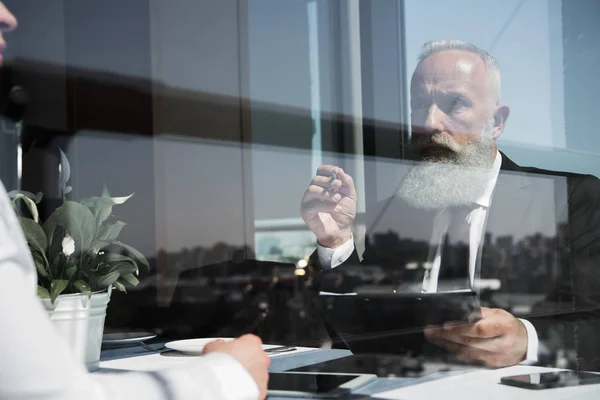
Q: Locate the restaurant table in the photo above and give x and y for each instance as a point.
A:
(475, 383)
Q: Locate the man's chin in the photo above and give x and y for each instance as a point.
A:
(440, 156)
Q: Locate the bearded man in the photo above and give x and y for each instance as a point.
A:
(460, 188)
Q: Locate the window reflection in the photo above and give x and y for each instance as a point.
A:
(220, 117)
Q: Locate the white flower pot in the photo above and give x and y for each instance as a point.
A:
(81, 322)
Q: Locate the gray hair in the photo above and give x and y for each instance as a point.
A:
(490, 62)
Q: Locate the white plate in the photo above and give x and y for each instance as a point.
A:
(192, 346)
(126, 337)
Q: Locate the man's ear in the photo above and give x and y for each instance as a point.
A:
(501, 113)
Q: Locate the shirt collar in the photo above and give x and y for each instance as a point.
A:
(486, 198)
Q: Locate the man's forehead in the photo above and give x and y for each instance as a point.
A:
(451, 69)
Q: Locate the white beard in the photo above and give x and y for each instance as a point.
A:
(445, 182)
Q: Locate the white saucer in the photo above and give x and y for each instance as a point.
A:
(192, 346)
(118, 338)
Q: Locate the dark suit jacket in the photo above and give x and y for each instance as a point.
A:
(542, 242)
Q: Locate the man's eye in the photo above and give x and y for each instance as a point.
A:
(456, 104)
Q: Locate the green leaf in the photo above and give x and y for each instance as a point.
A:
(102, 205)
(91, 277)
(55, 244)
(123, 268)
(64, 174)
(102, 211)
(31, 206)
(109, 232)
(90, 202)
(120, 286)
(83, 287)
(121, 200)
(105, 190)
(42, 292)
(59, 265)
(41, 264)
(108, 279)
(34, 234)
(71, 271)
(78, 221)
(131, 279)
(140, 257)
(98, 245)
(36, 238)
(116, 257)
(57, 286)
(14, 193)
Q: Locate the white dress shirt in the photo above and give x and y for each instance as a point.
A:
(36, 362)
(331, 258)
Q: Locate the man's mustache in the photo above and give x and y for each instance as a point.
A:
(423, 142)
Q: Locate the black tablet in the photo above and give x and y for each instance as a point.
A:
(393, 322)
(315, 385)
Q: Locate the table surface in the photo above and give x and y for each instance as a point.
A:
(476, 383)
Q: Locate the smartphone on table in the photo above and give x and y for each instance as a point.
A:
(550, 380)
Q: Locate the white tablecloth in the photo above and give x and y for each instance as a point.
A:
(485, 385)
(165, 360)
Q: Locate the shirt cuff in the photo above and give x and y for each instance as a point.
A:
(234, 381)
(532, 343)
(331, 258)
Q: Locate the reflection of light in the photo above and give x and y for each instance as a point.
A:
(299, 272)
(428, 265)
(491, 284)
(412, 265)
(19, 163)
(302, 263)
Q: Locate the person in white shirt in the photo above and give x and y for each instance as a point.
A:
(36, 362)
(456, 117)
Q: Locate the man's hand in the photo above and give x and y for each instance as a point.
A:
(497, 340)
(329, 206)
(247, 350)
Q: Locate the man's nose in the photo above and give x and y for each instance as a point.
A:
(434, 122)
(8, 22)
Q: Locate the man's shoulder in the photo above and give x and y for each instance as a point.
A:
(584, 185)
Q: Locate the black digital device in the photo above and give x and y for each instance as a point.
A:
(321, 385)
(550, 380)
(393, 323)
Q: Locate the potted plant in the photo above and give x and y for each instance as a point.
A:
(79, 260)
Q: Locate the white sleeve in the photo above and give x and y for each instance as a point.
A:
(215, 376)
(37, 363)
(331, 258)
(532, 343)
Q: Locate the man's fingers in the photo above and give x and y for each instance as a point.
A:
(212, 346)
(479, 343)
(318, 193)
(463, 334)
(317, 206)
(327, 183)
(326, 172)
(466, 353)
(329, 170)
(347, 184)
(250, 338)
(485, 328)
